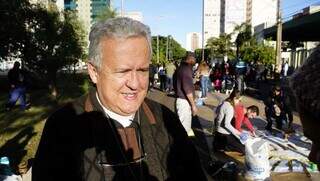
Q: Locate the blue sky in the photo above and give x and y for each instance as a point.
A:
(178, 17)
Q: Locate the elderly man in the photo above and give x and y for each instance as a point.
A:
(306, 87)
(114, 132)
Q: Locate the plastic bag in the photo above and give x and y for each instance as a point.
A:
(257, 159)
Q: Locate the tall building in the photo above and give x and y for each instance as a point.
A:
(97, 6)
(88, 10)
(263, 11)
(222, 16)
(193, 41)
(211, 19)
(235, 14)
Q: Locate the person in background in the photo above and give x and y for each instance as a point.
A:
(227, 137)
(227, 83)
(243, 116)
(285, 69)
(278, 107)
(170, 69)
(17, 82)
(114, 132)
(241, 70)
(204, 72)
(184, 89)
(306, 88)
(152, 72)
(162, 77)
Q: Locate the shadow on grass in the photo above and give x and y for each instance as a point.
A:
(15, 147)
(20, 131)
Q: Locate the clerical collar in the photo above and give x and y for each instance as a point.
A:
(125, 121)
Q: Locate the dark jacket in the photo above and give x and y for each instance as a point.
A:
(183, 81)
(75, 141)
(16, 77)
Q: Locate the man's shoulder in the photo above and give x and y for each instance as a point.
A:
(69, 110)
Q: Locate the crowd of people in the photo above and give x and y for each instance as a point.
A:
(116, 133)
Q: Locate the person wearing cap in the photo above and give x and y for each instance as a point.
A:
(184, 89)
(114, 132)
(278, 107)
(306, 88)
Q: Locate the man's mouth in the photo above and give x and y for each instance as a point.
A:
(130, 96)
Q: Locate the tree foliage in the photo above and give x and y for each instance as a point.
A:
(106, 13)
(44, 38)
(198, 54)
(220, 47)
(14, 17)
(244, 37)
(258, 52)
(175, 51)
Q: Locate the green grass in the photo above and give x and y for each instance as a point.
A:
(20, 131)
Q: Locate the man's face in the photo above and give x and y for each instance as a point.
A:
(191, 60)
(122, 80)
(311, 130)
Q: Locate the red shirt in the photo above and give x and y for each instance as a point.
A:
(241, 118)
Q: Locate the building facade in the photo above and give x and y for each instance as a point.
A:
(193, 41)
(222, 16)
(211, 19)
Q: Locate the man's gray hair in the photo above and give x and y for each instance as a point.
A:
(118, 28)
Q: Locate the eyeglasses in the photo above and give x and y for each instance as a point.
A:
(134, 161)
(127, 162)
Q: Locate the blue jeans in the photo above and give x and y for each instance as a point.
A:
(17, 93)
(169, 83)
(204, 85)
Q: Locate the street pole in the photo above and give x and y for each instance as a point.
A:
(167, 48)
(157, 49)
(122, 13)
(279, 38)
(202, 59)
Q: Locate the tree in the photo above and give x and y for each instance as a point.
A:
(258, 52)
(244, 36)
(54, 40)
(106, 13)
(220, 47)
(42, 37)
(198, 54)
(14, 17)
(175, 51)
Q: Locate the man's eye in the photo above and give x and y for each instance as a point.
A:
(144, 70)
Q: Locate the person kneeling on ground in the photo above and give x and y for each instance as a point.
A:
(226, 136)
(278, 108)
(242, 116)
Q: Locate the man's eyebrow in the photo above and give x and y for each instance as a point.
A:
(122, 69)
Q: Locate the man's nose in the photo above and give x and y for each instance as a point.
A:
(133, 80)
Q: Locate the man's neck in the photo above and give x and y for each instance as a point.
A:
(125, 121)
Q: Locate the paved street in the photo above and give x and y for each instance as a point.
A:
(203, 125)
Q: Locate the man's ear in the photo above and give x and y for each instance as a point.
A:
(93, 73)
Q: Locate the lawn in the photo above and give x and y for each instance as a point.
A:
(20, 131)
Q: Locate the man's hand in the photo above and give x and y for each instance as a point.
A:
(194, 110)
